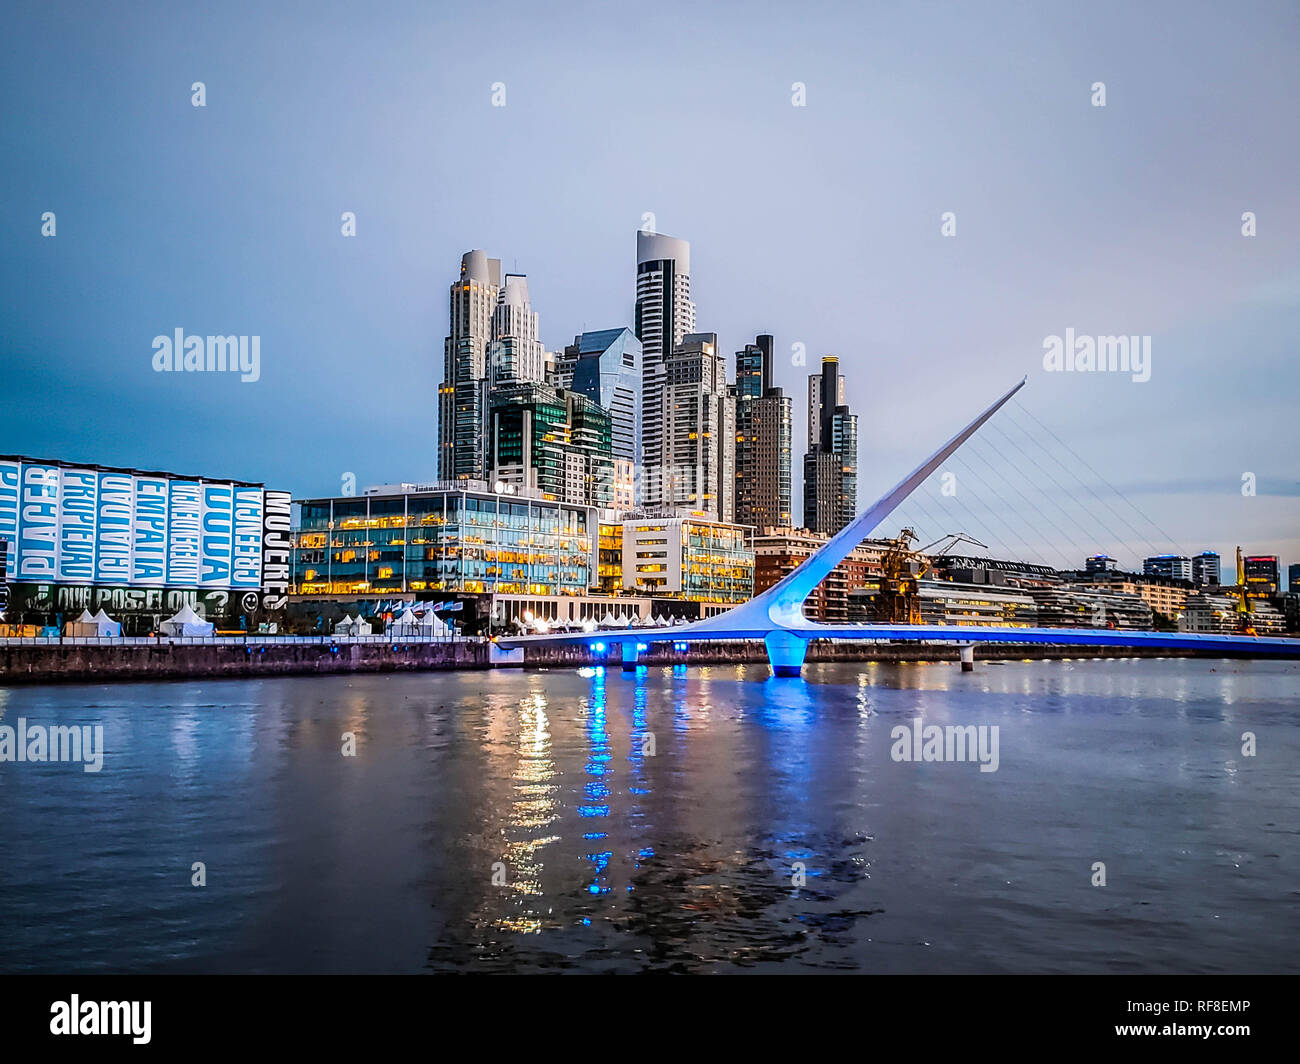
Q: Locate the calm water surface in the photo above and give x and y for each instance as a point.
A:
(654, 822)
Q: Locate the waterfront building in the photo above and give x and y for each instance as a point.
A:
(763, 440)
(700, 439)
(1262, 575)
(1293, 578)
(1075, 607)
(954, 603)
(1166, 595)
(1206, 569)
(1174, 566)
(664, 316)
(1100, 563)
(454, 537)
(688, 556)
(830, 493)
(140, 544)
(1209, 613)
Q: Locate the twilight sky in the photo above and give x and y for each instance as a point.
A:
(819, 224)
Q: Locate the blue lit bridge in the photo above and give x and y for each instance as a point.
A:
(776, 617)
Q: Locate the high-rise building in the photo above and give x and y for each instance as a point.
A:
(698, 468)
(605, 366)
(514, 352)
(462, 416)
(664, 316)
(763, 440)
(1205, 569)
(1293, 578)
(1174, 566)
(830, 468)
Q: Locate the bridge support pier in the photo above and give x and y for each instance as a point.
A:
(785, 652)
(968, 658)
(630, 655)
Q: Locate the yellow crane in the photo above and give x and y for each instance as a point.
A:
(902, 572)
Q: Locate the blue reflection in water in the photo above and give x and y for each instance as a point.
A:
(596, 789)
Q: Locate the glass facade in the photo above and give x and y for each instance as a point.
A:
(457, 541)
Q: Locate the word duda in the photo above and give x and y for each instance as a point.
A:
(37, 743)
(212, 354)
(1098, 354)
(952, 743)
(102, 1017)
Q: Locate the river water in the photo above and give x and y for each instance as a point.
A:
(700, 820)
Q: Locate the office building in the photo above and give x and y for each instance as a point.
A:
(1293, 578)
(664, 317)
(1174, 566)
(1262, 575)
(1205, 569)
(779, 551)
(692, 557)
(551, 442)
(699, 457)
(763, 440)
(605, 366)
(831, 465)
(1100, 563)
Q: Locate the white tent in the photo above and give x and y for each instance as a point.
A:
(186, 622)
(404, 626)
(432, 624)
(82, 626)
(107, 626)
(352, 626)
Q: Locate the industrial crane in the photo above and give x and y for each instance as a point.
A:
(900, 601)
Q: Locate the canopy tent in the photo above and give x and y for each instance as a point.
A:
(84, 625)
(352, 626)
(432, 624)
(107, 626)
(186, 622)
(404, 626)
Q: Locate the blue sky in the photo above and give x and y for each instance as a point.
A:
(819, 224)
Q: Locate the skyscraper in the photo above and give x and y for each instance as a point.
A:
(763, 440)
(664, 316)
(514, 353)
(699, 459)
(605, 366)
(830, 468)
(462, 418)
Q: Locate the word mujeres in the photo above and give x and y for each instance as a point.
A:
(953, 742)
(179, 353)
(36, 743)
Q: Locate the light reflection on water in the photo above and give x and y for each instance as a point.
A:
(603, 821)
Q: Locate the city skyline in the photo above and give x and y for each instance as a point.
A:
(351, 327)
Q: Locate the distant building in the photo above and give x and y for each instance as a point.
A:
(763, 440)
(1205, 569)
(1262, 576)
(1210, 614)
(779, 551)
(1175, 566)
(830, 469)
(1293, 578)
(1100, 563)
(462, 404)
